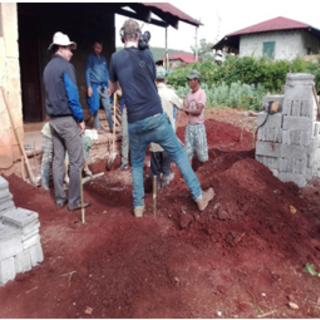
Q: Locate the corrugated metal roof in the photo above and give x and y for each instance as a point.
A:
(172, 10)
(187, 58)
(184, 57)
(279, 23)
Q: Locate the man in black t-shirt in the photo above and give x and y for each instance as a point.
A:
(146, 120)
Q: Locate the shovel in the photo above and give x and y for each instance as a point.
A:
(113, 154)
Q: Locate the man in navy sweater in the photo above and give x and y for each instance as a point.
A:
(66, 120)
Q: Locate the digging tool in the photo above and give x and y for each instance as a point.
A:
(81, 194)
(182, 144)
(113, 154)
(242, 123)
(154, 196)
(86, 179)
(32, 177)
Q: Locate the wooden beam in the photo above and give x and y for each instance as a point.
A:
(134, 15)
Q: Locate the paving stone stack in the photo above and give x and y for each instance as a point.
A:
(20, 247)
(289, 140)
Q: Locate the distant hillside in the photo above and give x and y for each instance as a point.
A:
(159, 53)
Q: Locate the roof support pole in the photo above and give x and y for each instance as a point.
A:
(166, 51)
(196, 45)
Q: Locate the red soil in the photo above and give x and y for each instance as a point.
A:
(244, 256)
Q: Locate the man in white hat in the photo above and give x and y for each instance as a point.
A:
(66, 120)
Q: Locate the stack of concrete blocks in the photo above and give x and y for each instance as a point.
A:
(288, 142)
(20, 247)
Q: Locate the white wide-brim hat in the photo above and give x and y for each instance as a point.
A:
(61, 39)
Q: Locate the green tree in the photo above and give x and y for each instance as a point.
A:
(205, 52)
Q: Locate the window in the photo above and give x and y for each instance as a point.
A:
(269, 49)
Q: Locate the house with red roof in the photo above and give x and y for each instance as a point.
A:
(177, 59)
(278, 38)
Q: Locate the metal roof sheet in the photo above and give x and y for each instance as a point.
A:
(172, 10)
(184, 57)
(279, 23)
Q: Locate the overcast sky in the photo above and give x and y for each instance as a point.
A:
(220, 18)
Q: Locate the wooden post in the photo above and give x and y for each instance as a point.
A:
(32, 177)
(23, 173)
(253, 135)
(81, 193)
(241, 129)
(154, 196)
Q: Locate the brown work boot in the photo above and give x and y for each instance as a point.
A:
(138, 211)
(203, 202)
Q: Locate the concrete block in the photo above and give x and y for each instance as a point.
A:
(305, 137)
(7, 270)
(299, 166)
(287, 107)
(286, 137)
(6, 204)
(273, 121)
(10, 242)
(312, 148)
(261, 136)
(317, 158)
(293, 165)
(270, 149)
(296, 108)
(298, 92)
(299, 179)
(296, 137)
(22, 261)
(275, 173)
(5, 193)
(260, 158)
(294, 79)
(3, 183)
(20, 217)
(316, 129)
(30, 241)
(309, 175)
(272, 163)
(295, 152)
(296, 123)
(307, 108)
(31, 228)
(270, 134)
(30, 234)
(36, 253)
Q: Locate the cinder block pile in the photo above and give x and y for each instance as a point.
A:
(20, 246)
(288, 142)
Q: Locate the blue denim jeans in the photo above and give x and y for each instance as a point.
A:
(105, 101)
(158, 129)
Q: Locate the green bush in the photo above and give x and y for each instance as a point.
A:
(241, 82)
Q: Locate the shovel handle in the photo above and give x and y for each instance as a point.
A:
(114, 119)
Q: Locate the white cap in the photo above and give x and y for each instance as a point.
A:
(61, 39)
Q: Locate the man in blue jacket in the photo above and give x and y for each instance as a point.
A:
(66, 120)
(134, 69)
(97, 78)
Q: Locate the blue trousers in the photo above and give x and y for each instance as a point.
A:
(158, 129)
(105, 102)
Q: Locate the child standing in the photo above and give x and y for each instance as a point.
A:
(195, 134)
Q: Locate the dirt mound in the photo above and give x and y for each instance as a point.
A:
(244, 256)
